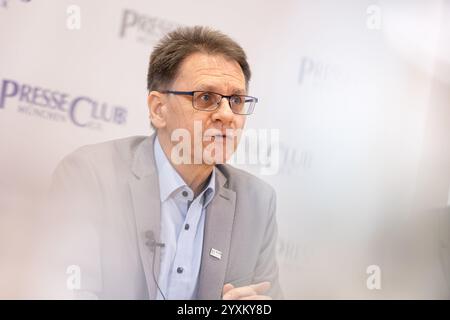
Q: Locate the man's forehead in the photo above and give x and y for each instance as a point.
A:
(212, 71)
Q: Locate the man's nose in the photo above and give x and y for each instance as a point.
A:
(224, 111)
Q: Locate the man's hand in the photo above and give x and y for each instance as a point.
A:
(251, 292)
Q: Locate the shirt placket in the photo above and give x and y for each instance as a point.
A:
(182, 268)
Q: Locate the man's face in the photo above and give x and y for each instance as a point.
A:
(204, 72)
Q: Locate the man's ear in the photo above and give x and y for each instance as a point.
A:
(155, 102)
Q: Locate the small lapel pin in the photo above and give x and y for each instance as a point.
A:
(216, 253)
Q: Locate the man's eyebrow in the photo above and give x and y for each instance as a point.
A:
(214, 89)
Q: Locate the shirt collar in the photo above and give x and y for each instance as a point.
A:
(170, 180)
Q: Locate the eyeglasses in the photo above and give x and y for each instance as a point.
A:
(210, 101)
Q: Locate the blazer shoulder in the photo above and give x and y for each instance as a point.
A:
(100, 157)
(124, 147)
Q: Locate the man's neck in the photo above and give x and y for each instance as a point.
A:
(196, 176)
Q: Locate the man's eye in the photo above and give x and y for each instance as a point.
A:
(236, 100)
(205, 97)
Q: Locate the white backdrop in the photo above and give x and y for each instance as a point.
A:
(358, 92)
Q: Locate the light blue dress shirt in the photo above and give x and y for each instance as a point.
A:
(182, 224)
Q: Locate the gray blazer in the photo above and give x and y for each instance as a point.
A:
(106, 197)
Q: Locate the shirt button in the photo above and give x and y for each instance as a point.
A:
(184, 193)
(186, 226)
(180, 270)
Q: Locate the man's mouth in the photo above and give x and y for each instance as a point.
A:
(220, 135)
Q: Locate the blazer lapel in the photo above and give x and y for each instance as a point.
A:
(144, 189)
(217, 235)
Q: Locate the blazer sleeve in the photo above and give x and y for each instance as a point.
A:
(70, 229)
(267, 266)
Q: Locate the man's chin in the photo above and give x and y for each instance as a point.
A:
(217, 153)
(214, 159)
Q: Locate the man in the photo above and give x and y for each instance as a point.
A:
(162, 217)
